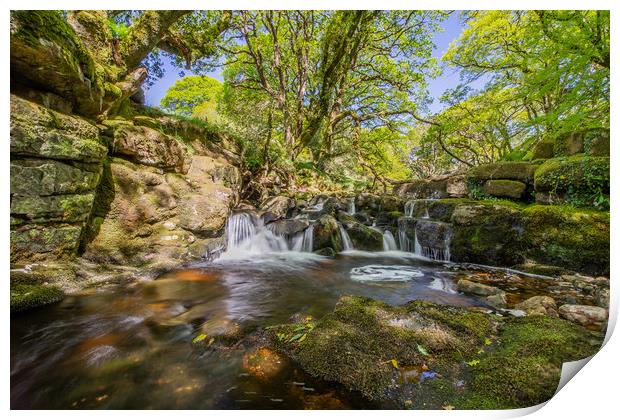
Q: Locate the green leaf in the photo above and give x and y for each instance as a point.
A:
(198, 338)
(394, 363)
(295, 337)
(487, 342)
(302, 338)
(422, 350)
(473, 362)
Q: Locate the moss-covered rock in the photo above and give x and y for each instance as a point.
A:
(46, 51)
(524, 368)
(150, 147)
(469, 359)
(37, 131)
(516, 171)
(569, 144)
(365, 238)
(567, 237)
(56, 208)
(543, 149)
(28, 296)
(488, 233)
(357, 342)
(504, 188)
(327, 234)
(50, 177)
(596, 143)
(33, 242)
(579, 180)
(423, 188)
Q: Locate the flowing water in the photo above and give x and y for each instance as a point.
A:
(389, 243)
(131, 346)
(347, 245)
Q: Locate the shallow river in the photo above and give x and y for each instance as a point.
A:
(131, 346)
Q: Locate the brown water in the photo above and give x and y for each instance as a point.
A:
(131, 346)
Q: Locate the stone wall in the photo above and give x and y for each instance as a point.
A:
(56, 165)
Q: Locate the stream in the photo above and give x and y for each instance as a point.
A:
(131, 346)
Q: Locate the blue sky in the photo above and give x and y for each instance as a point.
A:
(451, 30)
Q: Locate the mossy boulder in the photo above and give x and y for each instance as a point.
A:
(569, 144)
(423, 188)
(356, 343)
(516, 171)
(147, 146)
(365, 238)
(51, 177)
(580, 180)
(488, 233)
(37, 131)
(31, 242)
(543, 149)
(469, 359)
(568, 237)
(56, 208)
(524, 368)
(326, 233)
(28, 296)
(46, 51)
(504, 188)
(597, 143)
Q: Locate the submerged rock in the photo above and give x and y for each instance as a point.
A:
(467, 286)
(539, 305)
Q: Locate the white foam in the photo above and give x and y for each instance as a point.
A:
(389, 273)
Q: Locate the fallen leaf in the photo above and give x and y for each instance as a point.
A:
(394, 363)
(422, 350)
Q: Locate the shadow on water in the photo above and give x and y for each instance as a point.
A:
(131, 346)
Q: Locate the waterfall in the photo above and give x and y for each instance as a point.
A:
(409, 208)
(346, 241)
(405, 243)
(417, 248)
(239, 228)
(304, 241)
(389, 243)
(351, 206)
(246, 236)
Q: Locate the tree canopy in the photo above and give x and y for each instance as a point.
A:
(341, 96)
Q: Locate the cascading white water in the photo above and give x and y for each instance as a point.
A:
(417, 248)
(352, 205)
(409, 208)
(389, 243)
(405, 243)
(346, 241)
(304, 241)
(247, 236)
(239, 228)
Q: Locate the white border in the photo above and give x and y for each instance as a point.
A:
(592, 394)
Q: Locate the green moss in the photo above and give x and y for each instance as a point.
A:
(488, 232)
(518, 171)
(580, 180)
(27, 296)
(499, 362)
(568, 237)
(357, 342)
(524, 369)
(504, 188)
